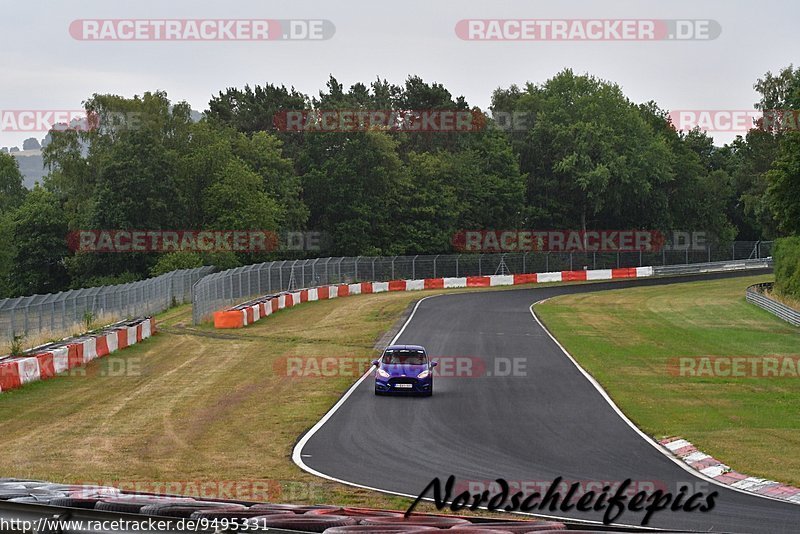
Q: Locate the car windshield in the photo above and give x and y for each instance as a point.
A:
(405, 357)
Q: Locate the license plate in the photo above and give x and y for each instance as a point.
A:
(402, 385)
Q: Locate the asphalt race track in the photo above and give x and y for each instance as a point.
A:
(552, 422)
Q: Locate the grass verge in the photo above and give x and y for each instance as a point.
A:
(195, 409)
(626, 338)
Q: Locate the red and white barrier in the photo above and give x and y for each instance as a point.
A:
(18, 371)
(245, 315)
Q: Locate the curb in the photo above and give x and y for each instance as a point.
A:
(713, 468)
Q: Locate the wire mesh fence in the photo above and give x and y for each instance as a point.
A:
(58, 312)
(219, 290)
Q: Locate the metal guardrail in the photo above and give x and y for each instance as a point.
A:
(755, 295)
(717, 266)
(223, 289)
(55, 312)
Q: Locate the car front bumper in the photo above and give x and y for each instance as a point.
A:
(403, 386)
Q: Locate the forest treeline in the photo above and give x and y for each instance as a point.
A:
(585, 157)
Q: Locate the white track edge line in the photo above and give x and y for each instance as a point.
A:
(297, 456)
(660, 448)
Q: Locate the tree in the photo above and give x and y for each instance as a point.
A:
(12, 194)
(173, 261)
(752, 157)
(12, 190)
(783, 191)
(353, 191)
(591, 157)
(40, 232)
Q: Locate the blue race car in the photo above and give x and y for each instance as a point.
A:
(404, 369)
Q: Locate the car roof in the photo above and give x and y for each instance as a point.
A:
(406, 347)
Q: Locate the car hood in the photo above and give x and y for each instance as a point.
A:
(403, 369)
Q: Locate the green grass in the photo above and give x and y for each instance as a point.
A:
(625, 339)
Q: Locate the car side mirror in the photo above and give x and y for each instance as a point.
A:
(375, 362)
(434, 364)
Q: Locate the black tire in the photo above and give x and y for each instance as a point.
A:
(132, 505)
(70, 502)
(161, 510)
(357, 512)
(310, 523)
(225, 513)
(516, 527)
(8, 495)
(378, 529)
(437, 521)
(295, 508)
(186, 509)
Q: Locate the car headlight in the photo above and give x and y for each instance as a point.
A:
(424, 374)
(383, 373)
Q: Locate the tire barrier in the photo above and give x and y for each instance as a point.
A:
(294, 508)
(515, 527)
(307, 523)
(254, 310)
(250, 516)
(53, 359)
(378, 529)
(711, 467)
(437, 521)
(229, 513)
(357, 512)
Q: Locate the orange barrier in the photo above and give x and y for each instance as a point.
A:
(397, 285)
(478, 281)
(627, 272)
(525, 278)
(9, 375)
(434, 283)
(102, 347)
(228, 319)
(573, 276)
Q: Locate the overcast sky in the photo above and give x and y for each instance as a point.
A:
(43, 67)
